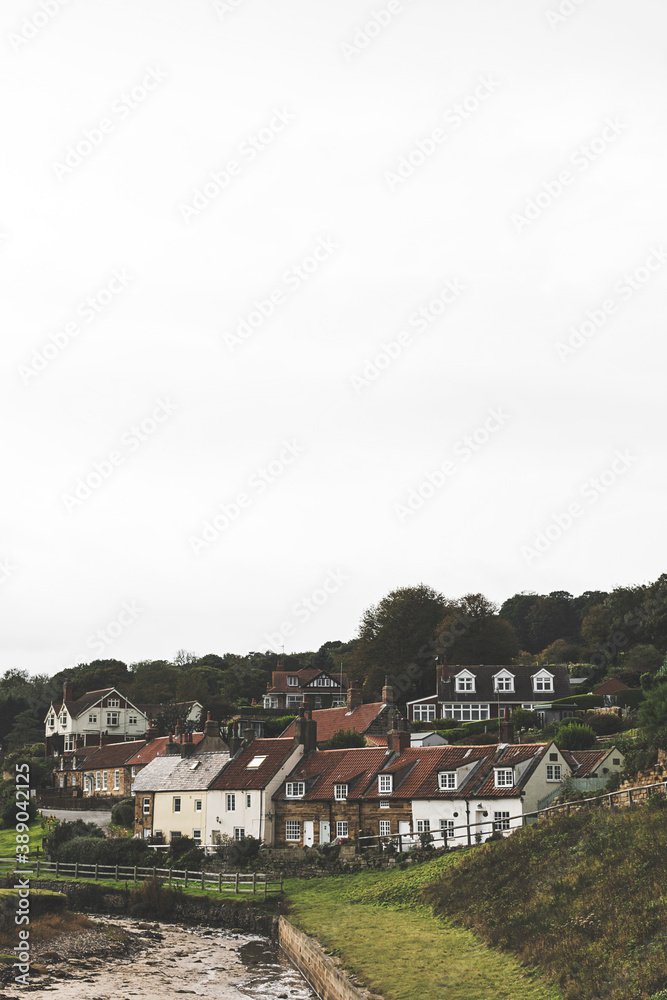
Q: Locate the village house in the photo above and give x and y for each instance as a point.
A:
(105, 713)
(590, 770)
(372, 720)
(311, 686)
(479, 693)
(96, 771)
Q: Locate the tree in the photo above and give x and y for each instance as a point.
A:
(345, 738)
(561, 651)
(653, 710)
(515, 610)
(524, 719)
(575, 737)
(27, 729)
(638, 660)
(323, 660)
(552, 618)
(473, 632)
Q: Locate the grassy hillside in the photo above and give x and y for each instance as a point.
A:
(582, 897)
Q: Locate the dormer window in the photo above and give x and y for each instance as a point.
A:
(446, 780)
(504, 777)
(465, 683)
(543, 681)
(504, 681)
(292, 680)
(340, 792)
(295, 789)
(385, 784)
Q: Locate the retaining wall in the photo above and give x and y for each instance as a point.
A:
(323, 973)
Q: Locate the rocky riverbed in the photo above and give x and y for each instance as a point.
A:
(151, 961)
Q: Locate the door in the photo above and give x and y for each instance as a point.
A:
(308, 833)
(404, 831)
(325, 832)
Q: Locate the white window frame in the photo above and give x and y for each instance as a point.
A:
(503, 777)
(340, 792)
(294, 700)
(116, 780)
(554, 772)
(133, 720)
(270, 701)
(104, 781)
(248, 800)
(447, 828)
(230, 802)
(503, 683)
(92, 717)
(198, 805)
(113, 718)
(295, 789)
(423, 826)
(342, 828)
(176, 804)
(465, 683)
(501, 820)
(133, 771)
(239, 833)
(146, 805)
(113, 703)
(465, 712)
(62, 780)
(196, 836)
(423, 713)
(98, 781)
(385, 784)
(543, 682)
(292, 830)
(385, 828)
(292, 680)
(447, 781)
(384, 804)
(69, 742)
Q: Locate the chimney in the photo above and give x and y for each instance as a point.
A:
(354, 699)
(171, 748)
(187, 745)
(387, 693)
(68, 689)
(211, 727)
(248, 734)
(179, 728)
(234, 740)
(151, 732)
(443, 686)
(506, 728)
(398, 739)
(305, 731)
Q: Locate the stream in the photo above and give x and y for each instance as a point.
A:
(186, 961)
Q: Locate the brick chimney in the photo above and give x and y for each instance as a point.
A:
(171, 748)
(354, 699)
(305, 731)
(387, 693)
(398, 739)
(179, 728)
(234, 740)
(211, 727)
(68, 690)
(248, 734)
(506, 734)
(187, 745)
(151, 732)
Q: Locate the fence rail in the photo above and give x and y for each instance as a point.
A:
(237, 882)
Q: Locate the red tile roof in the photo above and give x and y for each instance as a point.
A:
(322, 769)
(612, 686)
(416, 770)
(331, 720)
(113, 754)
(305, 675)
(584, 762)
(157, 748)
(509, 756)
(237, 775)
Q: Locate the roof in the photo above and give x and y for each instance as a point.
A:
(509, 756)
(416, 770)
(331, 720)
(238, 775)
(154, 709)
(611, 686)
(484, 690)
(306, 675)
(176, 774)
(87, 700)
(322, 769)
(157, 748)
(112, 754)
(67, 757)
(585, 762)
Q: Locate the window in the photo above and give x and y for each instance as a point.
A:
(553, 756)
(177, 804)
(385, 827)
(385, 784)
(465, 683)
(322, 682)
(116, 780)
(340, 792)
(52, 721)
(231, 802)
(133, 771)
(553, 772)
(447, 827)
(292, 680)
(196, 836)
(423, 713)
(293, 700)
(112, 718)
(146, 805)
(197, 805)
(616, 761)
(97, 781)
(69, 743)
(104, 781)
(175, 835)
(423, 825)
(74, 763)
(341, 828)
(446, 780)
(504, 683)
(62, 763)
(504, 777)
(73, 782)
(113, 703)
(63, 718)
(384, 804)
(295, 789)
(270, 701)
(465, 713)
(239, 833)
(62, 780)
(255, 762)
(501, 821)
(92, 717)
(543, 682)
(248, 801)
(292, 830)
(133, 720)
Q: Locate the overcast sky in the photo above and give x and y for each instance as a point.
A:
(306, 301)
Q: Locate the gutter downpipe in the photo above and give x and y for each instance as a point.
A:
(467, 801)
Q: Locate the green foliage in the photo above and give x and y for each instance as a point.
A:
(179, 847)
(274, 727)
(582, 701)
(343, 739)
(65, 831)
(11, 807)
(604, 723)
(122, 813)
(575, 737)
(472, 631)
(524, 719)
(93, 850)
(152, 899)
(653, 710)
(192, 860)
(238, 852)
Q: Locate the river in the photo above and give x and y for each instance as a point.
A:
(181, 961)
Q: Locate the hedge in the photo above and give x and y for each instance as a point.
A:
(581, 701)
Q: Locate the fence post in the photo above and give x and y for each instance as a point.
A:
(170, 878)
(236, 883)
(154, 870)
(266, 879)
(281, 881)
(202, 879)
(57, 863)
(135, 874)
(76, 869)
(38, 866)
(219, 881)
(186, 878)
(116, 878)
(97, 868)
(629, 796)
(254, 877)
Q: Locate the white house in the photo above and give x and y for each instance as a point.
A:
(106, 711)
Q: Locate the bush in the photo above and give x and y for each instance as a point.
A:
(604, 724)
(122, 813)
(92, 851)
(10, 809)
(180, 846)
(66, 831)
(192, 860)
(153, 900)
(344, 739)
(238, 852)
(274, 727)
(575, 737)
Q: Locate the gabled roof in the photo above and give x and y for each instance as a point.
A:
(331, 720)
(509, 756)
(611, 686)
(523, 685)
(585, 762)
(177, 774)
(68, 757)
(239, 776)
(153, 709)
(112, 754)
(416, 771)
(86, 701)
(306, 676)
(157, 748)
(322, 769)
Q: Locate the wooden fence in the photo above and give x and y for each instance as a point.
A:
(237, 882)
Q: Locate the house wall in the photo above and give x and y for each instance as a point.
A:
(143, 822)
(538, 787)
(221, 820)
(183, 822)
(463, 812)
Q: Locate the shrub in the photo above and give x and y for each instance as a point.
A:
(274, 727)
(66, 831)
(238, 852)
(122, 813)
(180, 846)
(575, 737)
(10, 809)
(192, 860)
(604, 724)
(92, 851)
(344, 739)
(153, 900)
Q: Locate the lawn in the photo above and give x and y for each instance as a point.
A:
(8, 839)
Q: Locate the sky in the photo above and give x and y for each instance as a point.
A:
(304, 302)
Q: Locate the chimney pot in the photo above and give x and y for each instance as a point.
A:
(354, 699)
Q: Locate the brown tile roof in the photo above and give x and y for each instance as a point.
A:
(584, 762)
(237, 775)
(157, 748)
(508, 756)
(68, 756)
(322, 769)
(87, 700)
(113, 754)
(305, 675)
(331, 720)
(416, 770)
(612, 686)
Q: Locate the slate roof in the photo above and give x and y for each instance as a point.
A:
(86, 701)
(176, 774)
(306, 675)
(68, 756)
(322, 769)
(484, 692)
(157, 748)
(238, 776)
(112, 754)
(330, 720)
(154, 709)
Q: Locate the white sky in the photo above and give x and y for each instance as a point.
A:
(338, 512)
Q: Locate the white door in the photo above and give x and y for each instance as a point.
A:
(308, 833)
(404, 830)
(325, 833)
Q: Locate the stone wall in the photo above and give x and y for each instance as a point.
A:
(323, 972)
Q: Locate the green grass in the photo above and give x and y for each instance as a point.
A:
(8, 839)
(375, 923)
